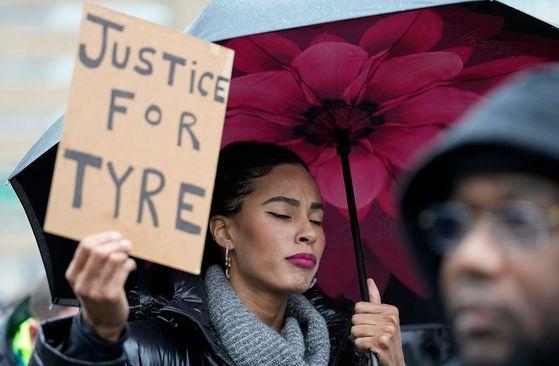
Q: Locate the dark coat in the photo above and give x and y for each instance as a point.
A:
(171, 327)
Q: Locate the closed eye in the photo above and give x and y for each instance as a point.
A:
(316, 222)
(279, 216)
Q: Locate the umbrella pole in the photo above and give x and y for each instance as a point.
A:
(343, 149)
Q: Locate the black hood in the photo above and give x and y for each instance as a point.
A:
(517, 129)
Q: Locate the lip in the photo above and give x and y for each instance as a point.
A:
(475, 319)
(303, 260)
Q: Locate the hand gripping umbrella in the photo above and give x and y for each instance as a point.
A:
(355, 88)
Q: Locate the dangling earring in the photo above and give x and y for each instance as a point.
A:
(227, 262)
(313, 282)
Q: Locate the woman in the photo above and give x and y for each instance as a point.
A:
(265, 241)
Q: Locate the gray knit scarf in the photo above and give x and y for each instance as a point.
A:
(249, 342)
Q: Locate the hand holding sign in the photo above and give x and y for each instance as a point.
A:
(141, 138)
(97, 275)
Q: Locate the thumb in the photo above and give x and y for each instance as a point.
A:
(374, 293)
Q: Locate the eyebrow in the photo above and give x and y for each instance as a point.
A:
(293, 202)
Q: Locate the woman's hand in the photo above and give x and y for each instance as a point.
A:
(97, 275)
(376, 328)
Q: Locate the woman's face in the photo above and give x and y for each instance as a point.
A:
(277, 236)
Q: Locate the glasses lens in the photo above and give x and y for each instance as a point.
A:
(444, 225)
(520, 224)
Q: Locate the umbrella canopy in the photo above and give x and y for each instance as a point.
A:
(388, 80)
(226, 19)
(391, 81)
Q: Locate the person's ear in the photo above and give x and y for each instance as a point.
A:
(34, 330)
(220, 228)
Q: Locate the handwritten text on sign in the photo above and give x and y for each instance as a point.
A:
(141, 138)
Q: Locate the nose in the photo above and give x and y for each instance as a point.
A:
(306, 233)
(477, 256)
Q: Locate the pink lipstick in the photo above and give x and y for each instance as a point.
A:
(303, 260)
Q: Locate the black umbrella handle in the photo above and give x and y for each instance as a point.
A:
(343, 150)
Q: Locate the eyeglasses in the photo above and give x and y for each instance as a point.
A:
(515, 224)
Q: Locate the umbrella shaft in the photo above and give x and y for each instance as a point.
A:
(343, 151)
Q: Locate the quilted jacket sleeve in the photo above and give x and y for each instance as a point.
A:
(71, 341)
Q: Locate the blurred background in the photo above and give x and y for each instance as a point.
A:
(38, 41)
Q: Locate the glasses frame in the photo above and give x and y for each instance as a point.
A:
(546, 220)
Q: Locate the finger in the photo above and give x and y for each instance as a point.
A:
(363, 307)
(77, 263)
(374, 293)
(368, 330)
(370, 319)
(383, 341)
(102, 237)
(113, 263)
(119, 277)
(83, 250)
(88, 277)
(111, 285)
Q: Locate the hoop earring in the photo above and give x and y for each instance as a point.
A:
(227, 262)
(313, 282)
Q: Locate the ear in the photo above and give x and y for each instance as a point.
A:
(220, 228)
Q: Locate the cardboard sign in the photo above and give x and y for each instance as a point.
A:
(141, 138)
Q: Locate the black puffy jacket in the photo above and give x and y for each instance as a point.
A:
(171, 327)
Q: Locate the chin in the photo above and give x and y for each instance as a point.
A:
(480, 353)
(297, 283)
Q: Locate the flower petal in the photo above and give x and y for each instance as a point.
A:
(242, 127)
(368, 175)
(328, 68)
(438, 107)
(387, 200)
(327, 37)
(262, 52)
(271, 91)
(339, 254)
(306, 151)
(404, 33)
(338, 275)
(381, 239)
(485, 76)
(464, 52)
(398, 144)
(403, 75)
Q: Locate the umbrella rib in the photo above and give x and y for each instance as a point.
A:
(291, 69)
(372, 71)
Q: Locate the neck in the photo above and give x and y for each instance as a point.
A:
(267, 305)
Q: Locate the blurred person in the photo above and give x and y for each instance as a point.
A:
(482, 216)
(264, 245)
(21, 326)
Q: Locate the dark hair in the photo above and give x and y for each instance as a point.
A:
(240, 165)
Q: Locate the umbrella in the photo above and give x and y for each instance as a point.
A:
(274, 97)
(356, 88)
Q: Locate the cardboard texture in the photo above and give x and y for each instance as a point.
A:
(141, 138)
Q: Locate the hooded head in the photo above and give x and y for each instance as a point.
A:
(481, 214)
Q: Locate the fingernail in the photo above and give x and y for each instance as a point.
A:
(126, 243)
(115, 235)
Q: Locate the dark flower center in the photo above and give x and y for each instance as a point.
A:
(321, 123)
